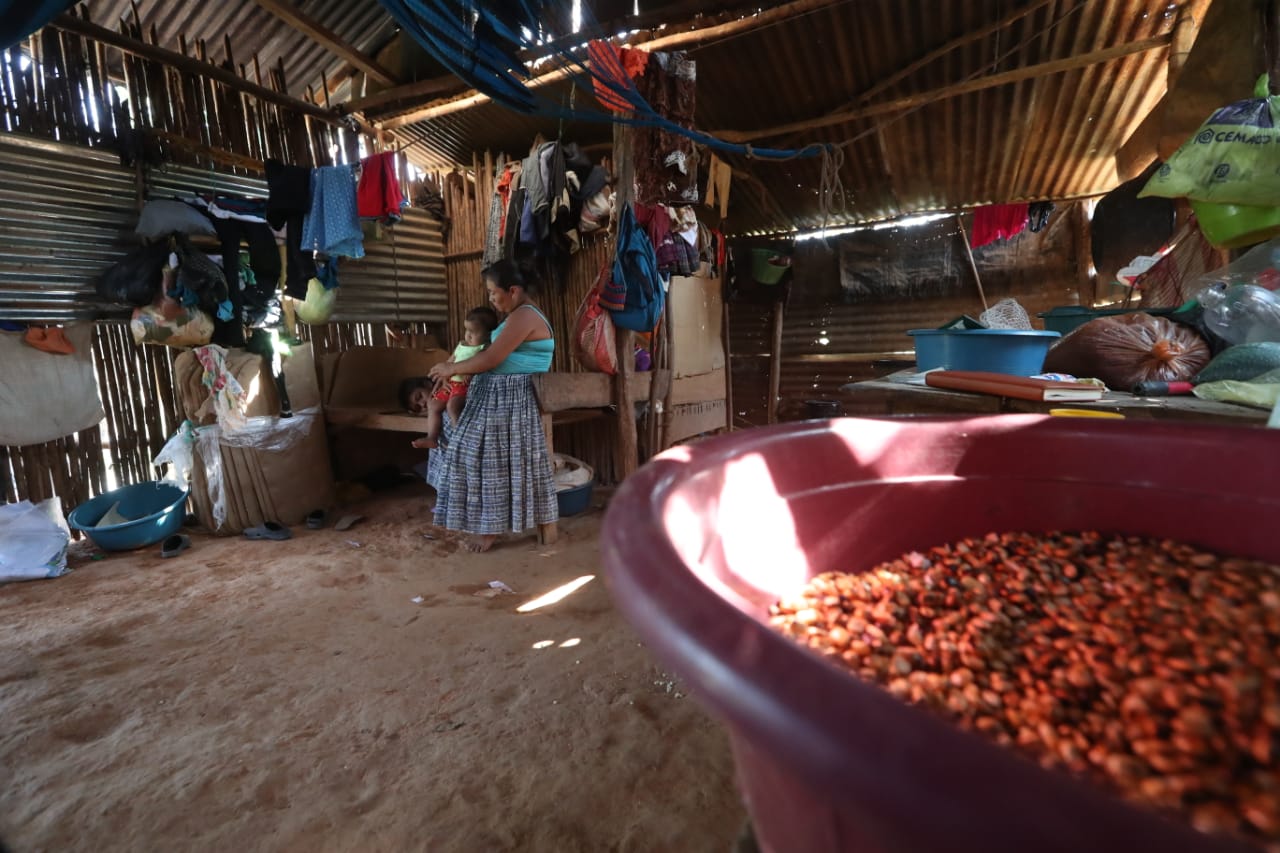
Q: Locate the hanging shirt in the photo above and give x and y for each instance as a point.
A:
(997, 222)
(378, 195)
(333, 226)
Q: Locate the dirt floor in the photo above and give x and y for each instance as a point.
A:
(292, 696)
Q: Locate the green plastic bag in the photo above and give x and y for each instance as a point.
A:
(1259, 394)
(318, 307)
(1234, 158)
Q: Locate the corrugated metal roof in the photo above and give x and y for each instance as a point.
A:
(253, 30)
(1053, 136)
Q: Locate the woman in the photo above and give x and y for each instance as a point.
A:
(496, 477)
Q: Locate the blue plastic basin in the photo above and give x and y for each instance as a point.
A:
(575, 500)
(1012, 351)
(156, 509)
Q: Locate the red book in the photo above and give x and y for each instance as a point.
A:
(1003, 385)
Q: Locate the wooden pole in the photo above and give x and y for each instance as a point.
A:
(973, 266)
(966, 87)
(1088, 278)
(728, 357)
(775, 364)
(627, 438)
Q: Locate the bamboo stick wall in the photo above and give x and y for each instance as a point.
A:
(61, 86)
(77, 90)
(563, 291)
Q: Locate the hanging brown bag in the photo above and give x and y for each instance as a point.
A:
(593, 340)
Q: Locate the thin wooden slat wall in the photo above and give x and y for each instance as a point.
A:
(467, 202)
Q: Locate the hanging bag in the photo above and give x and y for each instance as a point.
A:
(634, 293)
(167, 321)
(594, 342)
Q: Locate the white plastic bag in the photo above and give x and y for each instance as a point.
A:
(33, 541)
(177, 453)
(266, 433)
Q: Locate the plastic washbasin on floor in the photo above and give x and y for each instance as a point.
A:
(154, 509)
(701, 541)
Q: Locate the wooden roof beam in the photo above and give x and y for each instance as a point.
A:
(327, 38)
(450, 85)
(683, 39)
(921, 99)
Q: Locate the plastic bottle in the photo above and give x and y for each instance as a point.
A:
(1241, 313)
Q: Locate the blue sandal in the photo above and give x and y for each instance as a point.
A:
(175, 545)
(268, 530)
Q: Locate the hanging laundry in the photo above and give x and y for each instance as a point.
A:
(997, 222)
(1038, 216)
(43, 396)
(332, 226)
(378, 194)
(666, 163)
(232, 207)
(493, 224)
(253, 297)
(719, 175)
(226, 396)
(675, 255)
(613, 69)
(287, 206)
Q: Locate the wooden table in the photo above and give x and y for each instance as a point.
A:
(887, 397)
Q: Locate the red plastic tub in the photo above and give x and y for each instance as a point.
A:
(699, 542)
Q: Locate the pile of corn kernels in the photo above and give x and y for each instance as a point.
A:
(1150, 667)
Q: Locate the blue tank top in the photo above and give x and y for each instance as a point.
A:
(529, 356)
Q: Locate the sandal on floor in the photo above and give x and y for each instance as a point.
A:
(175, 545)
(316, 519)
(268, 530)
(348, 521)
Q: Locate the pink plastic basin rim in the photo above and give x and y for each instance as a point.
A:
(877, 758)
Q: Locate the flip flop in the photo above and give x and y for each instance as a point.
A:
(316, 519)
(348, 521)
(175, 545)
(268, 530)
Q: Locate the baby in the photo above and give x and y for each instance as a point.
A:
(451, 396)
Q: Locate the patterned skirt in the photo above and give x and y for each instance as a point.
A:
(493, 476)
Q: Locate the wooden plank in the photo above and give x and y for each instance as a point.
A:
(558, 392)
(882, 396)
(692, 420)
(699, 389)
(372, 419)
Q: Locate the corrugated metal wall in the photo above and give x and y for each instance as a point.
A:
(1038, 270)
(66, 214)
(401, 277)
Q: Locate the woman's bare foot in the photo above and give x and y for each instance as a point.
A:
(480, 544)
(426, 442)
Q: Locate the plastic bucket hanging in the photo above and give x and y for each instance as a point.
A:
(769, 266)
